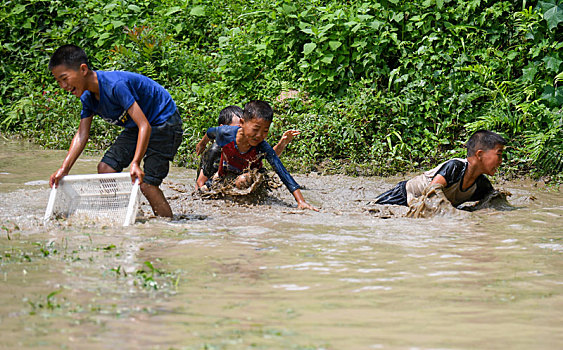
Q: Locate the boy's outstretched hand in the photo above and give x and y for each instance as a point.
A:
(301, 204)
(288, 136)
(305, 205)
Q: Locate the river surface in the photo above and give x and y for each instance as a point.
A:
(227, 275)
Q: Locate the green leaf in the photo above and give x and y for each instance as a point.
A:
(134, 8)
(327, 27)
(398, 17)
(223, 40)
(307, 31)
(559, 96)
(117, 24)
(287, 9)
(529, 73)
(197, 11)
(512, 55)
(552, 13)
(552, 63)
(308, 48)
(376, 24)
(111, 6)
(327, 59)
(98, 18)
(334, 44)
(552, 96)
(18, 9)
(173, 10)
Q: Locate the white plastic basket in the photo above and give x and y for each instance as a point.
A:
(108, 197)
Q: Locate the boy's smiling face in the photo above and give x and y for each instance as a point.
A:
(491, 159)
(72, 80)
(255, 130)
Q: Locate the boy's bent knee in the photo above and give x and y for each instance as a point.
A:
(104, 168)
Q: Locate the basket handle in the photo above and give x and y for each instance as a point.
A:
(50, 204)
(132, 207)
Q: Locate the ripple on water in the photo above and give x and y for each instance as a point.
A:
(372, 288)
(290, 287)
(552, 246)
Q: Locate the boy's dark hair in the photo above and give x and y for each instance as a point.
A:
(483, 140)
(258, 109)
(226, 115)
(71, 56)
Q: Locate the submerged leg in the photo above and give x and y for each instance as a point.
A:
(158, 202)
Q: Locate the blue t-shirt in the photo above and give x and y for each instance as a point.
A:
(119, 90)
(226, 136)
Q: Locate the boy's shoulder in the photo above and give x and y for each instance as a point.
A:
(454, 166)
(227, 130)
(456, 161)
(117, 75)
(224, 134)
(450, 165)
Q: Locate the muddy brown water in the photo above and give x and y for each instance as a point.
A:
(226, 275)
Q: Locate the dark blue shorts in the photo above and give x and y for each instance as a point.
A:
(397, 195)
(163, 145)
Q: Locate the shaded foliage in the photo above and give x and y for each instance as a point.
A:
(384, 86)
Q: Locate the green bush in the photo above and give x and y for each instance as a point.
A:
(383, 86)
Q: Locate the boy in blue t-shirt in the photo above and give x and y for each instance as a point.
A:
(153, 127)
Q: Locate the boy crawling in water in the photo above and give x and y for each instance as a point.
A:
(210, 159)
(462, 180)
(244, 146)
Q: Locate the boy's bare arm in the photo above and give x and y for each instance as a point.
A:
(76, 147)
(301, 204)
(439, 179)
(200, 147)
(285, 140)
(144, 135)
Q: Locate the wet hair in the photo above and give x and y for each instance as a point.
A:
(226, 115)
(258, 109)
(483, 140)
(71, 56)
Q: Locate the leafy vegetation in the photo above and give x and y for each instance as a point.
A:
(381, 86)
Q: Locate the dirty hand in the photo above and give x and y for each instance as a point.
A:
(433, 201)
(243, 181)
(56, 177)
(305, 205)
(136, 172)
